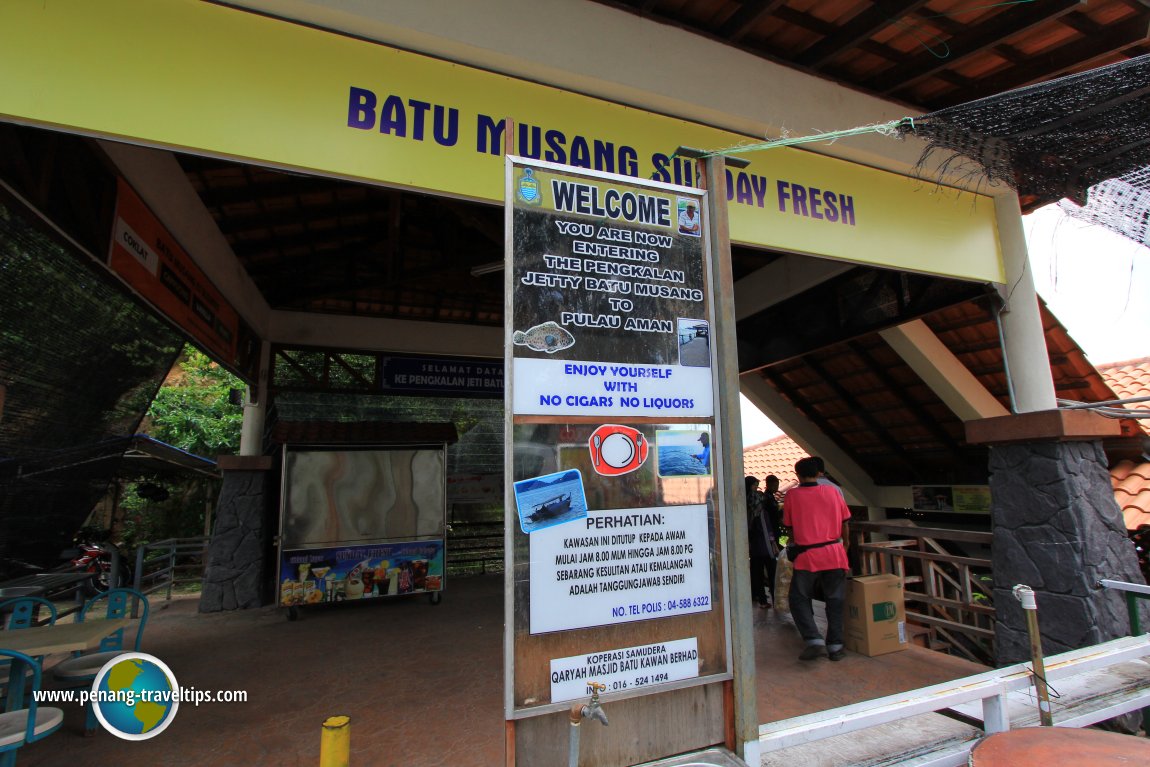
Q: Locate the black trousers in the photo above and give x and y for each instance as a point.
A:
(831, 587)
(760, 587)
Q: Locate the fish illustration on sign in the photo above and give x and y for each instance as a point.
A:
(548, 337)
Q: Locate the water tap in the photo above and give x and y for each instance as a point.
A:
(1025, 595)
(592, 710)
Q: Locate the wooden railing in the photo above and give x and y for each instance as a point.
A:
(949, 594)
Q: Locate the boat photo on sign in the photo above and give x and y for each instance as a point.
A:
(550, 500)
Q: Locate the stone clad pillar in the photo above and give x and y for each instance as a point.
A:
(236, 573)
(1056, 529)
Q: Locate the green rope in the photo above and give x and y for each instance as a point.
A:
(886, 129)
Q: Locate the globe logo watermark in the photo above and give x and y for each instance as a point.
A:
(135, 696)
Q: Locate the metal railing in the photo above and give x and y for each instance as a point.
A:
(945, 592)
(990, 693)
(167, 563)
(1134, 593)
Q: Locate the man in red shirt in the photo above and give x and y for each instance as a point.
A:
(817, 516)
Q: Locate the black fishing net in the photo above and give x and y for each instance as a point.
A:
(79, 364)
(1055, 140)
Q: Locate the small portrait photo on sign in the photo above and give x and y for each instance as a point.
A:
(690, 222)
(683, 452)
(551, 499)
(694, 343)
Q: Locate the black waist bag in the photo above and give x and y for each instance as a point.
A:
(794, 549)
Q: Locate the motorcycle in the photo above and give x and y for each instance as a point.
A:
(98, 558)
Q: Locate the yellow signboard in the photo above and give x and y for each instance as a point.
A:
(192, 75)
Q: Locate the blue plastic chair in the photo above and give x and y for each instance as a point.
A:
(81, 669)
(25, 725)
(22, 613)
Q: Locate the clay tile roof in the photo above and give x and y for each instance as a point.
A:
(1131, 483)
(775, 456)
(1128, 379)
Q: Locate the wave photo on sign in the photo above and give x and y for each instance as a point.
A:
(550, 500)
(683, 452)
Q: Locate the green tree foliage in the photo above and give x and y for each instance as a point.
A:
(193, 410)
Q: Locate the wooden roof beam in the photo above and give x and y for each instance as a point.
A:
(858, 30)
(305, 215)
(981, 37)
(876, 430)
(925, 420)
(812, 436)
(742, 21)
(1072, 56)
(291, 187)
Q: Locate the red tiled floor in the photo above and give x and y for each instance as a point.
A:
(423, 685)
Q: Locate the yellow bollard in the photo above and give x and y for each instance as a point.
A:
(335, 742)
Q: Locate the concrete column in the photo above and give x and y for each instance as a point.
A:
(1027, 361)
(944, 373)
(256, 407)
(1056, 529)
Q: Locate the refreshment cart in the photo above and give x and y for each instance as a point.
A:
(361, 522)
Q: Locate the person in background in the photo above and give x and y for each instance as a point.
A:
(771, 506)
(823, 478)
(705, 456)
(772, 528)
(763, 546)
(817, 516)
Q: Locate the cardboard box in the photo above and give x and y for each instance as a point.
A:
(875, 615)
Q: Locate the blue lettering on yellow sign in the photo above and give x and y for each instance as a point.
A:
(816, 203)
(410, 118)
(392, 117)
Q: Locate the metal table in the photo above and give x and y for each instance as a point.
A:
(47, 582)
(47, 640)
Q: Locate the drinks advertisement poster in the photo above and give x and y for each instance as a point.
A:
(317, 575)
(615, 545)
